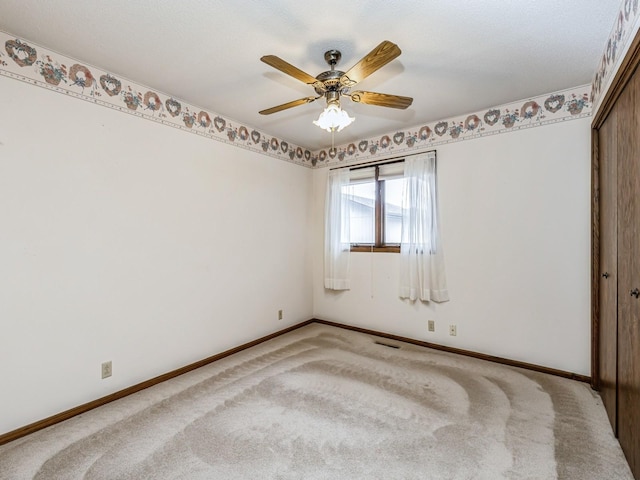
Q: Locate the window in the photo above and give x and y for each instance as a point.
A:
(392, 207)
(375, 207)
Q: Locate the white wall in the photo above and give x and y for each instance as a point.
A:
(126, 240)
(515, 211)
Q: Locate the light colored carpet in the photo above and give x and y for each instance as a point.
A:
(327, 403)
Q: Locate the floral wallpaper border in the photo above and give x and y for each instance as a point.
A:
(556, 107)
(36, 65)
(624, 30)
(33, 64)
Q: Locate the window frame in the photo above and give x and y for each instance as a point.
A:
(379, 215)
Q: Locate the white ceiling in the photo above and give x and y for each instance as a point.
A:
(457, 57)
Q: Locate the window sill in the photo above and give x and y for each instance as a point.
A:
(370, 248)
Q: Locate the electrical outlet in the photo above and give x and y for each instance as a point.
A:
(453, 331)
(106, 369)
(279, 314)
(431, 325)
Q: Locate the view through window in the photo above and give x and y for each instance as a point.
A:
(375, 205)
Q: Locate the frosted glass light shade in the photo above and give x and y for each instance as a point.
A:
(333, 118)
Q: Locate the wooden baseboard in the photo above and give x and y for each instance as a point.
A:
(60, 417)
(459, 351)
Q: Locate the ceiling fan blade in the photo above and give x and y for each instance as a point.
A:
(381, 99)
(295, 72)
(284, 106)
(374, 60)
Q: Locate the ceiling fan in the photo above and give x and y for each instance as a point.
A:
(333, 83)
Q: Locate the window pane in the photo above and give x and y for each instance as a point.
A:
(362, 206)
(393, 210)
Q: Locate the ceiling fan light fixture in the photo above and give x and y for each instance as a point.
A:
(333, 118)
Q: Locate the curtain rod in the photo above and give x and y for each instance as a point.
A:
(382, 162)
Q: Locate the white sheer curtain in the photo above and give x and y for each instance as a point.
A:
(421, 257)
(337, 244)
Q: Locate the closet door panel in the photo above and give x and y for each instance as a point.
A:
(608, 337)
(628, 152)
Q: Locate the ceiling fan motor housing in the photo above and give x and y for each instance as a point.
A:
(331, 78)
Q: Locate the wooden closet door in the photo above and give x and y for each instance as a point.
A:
(608, 337)
(628, 152)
